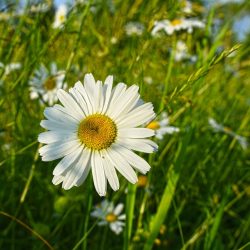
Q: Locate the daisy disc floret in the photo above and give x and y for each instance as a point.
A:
(97, 128)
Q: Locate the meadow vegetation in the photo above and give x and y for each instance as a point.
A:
(196, 195)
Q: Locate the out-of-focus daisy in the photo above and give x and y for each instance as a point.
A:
(220, 128)
(110, 215)
(181, 52)
(176, 25)
(134, 28)
(39, 8)
(60, 16)
(46, 82)
(96, 128)
(8, 68)
(162, 127)
(148, 79)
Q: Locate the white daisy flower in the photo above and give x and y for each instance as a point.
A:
(181, 51)
(162, 127)
(96, 128)
(60, 17)
(110, 215)
(134, 28)
(8, 68)
(46, 82)
(220, 128)
(39, 8)
(176, 25)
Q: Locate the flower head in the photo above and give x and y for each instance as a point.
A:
(181, 52)
(134, 28)
(96, 128)
(46, 82)
(221, 128)
(176, 25)
(8, 68)
(60, 17)
(110, 215)
(162, 127)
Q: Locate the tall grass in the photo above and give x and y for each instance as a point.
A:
(197, 194)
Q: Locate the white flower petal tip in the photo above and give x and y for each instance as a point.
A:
(117, 115)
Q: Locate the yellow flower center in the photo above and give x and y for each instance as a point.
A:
(154, 125)
(227, 129)
(62, 18)
(50, 83)
(97, 132)
(176, 22)
(111, 217)
(142, 181)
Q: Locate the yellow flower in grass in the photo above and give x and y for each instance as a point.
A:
(97, 128)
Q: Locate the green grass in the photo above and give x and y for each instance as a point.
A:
(199, 184)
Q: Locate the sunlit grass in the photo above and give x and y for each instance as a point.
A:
(197, 191)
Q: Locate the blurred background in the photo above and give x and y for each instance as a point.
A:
(191, 60)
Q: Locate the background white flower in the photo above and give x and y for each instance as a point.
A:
(134, 28)
(110, 215)
(8, 68)
(162, 127)
(97, 129)
(220, 128)
(176, 25)
(45, 83)
(60, 16)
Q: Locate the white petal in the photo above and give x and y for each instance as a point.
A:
(79, 99)
(122, 165)
(117, 92)
(142, 145)
(137, 116)
(102, 223)
(63, 115)
(92, 90)
(110, 173)
(67, 161)
(122, 217)
(54, 136)
(116, 228)
(53, 125)
(107, 90)
(82, 168)
(70, 104)
(125, 103)
(85, 97)
(83, 176)
(135, 132)
(57, 179)
(136, 161)
(98, 174)
(59, 114)
(118, 209)
(57, 150)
